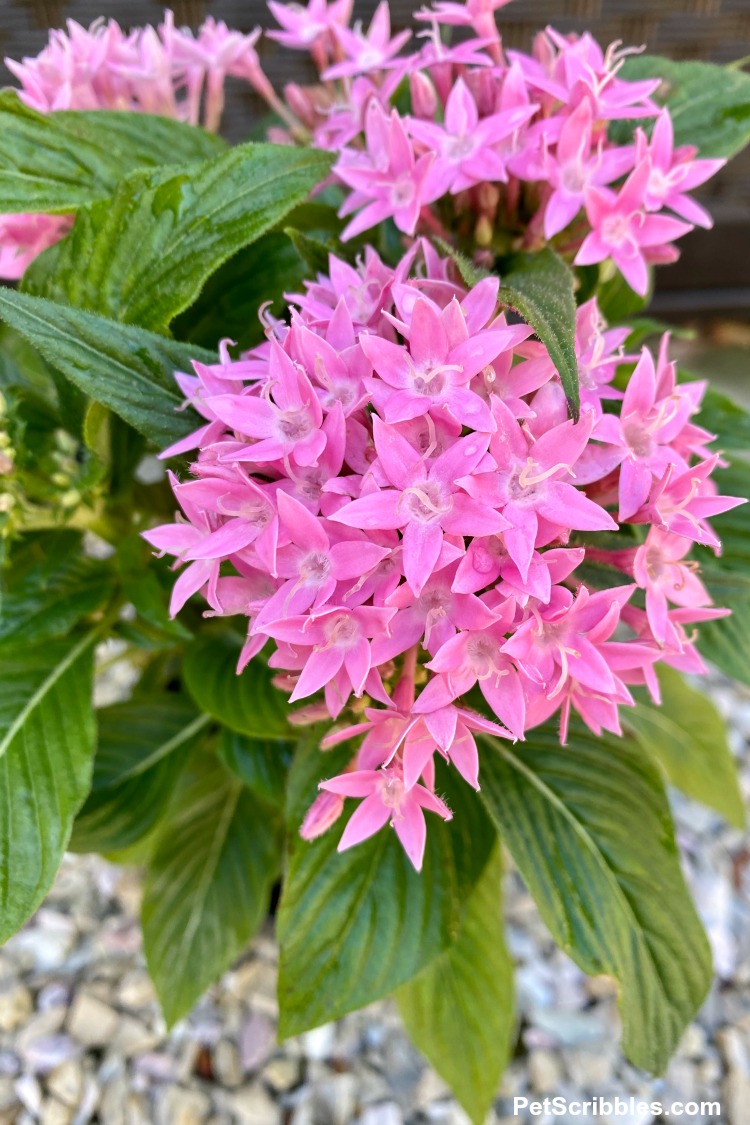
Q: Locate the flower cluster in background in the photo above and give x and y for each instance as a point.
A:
(164, 70)
(390, 489)
(502, 148)
(506, 149)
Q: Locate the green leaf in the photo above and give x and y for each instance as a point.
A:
(724, 417)
(122, 366)
(644, 328)
(50, 587)
(56, 162)
(726, 642)
(728, 576)
(248, 703)
(618, 303)
(459, 1010)
(471, 834)
(469, 273)
(311, 251)
(47, 735)
(709, 104)
(353, 926)
(146, 583)
(229, 302)
(262, 766)
(688, 738)
(141, 751)
(208, 884)
(23, 369)
(540, 287)
(589, 827)
(151, 602)
(144, 255)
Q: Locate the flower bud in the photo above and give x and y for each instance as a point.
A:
(323, 812)
(423, 96)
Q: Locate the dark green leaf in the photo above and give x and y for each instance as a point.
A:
(540, 287)
(709, 104)
(261, 765)
(24, 370)
(353, 926)
(47, 735)
(313, 253)
(460, 1010)
(346, 942)
(728, 576)
(229, 302)
(248, 703)
(208, 884)
(146, 583)
(617, 302)
(589, 827)
(50, 587)
(688, 737)
(469, 273)
(644, 328)
(122, 366)
(725, 418)
(151, 602)
(471, 834)
(57, 162)
(726, 642)
(141, 751)
(144, 255)
(311, 765)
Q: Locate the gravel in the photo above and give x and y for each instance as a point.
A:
(82, 1039)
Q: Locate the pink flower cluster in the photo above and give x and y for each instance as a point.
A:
(507, 149)
(165, 70)
(390, 490)
(510, 149)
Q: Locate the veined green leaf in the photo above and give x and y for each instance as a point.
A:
(728, 575)
(144, 255)
(726, 642)
(353, 926)
(344, 941)
(208, 883)
(142, 748)
(50, 587)
(460, 1010)
(725, 418)
(539, 286)
(124, 367)
(231, 298)
(311, 251)
(687, 736)
(709, 104)
(248, 703)
(589, 827)
(57, 162)
(47, 735)
(262, 765)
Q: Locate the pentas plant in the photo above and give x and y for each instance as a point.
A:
(388, 516)
(354, 454)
